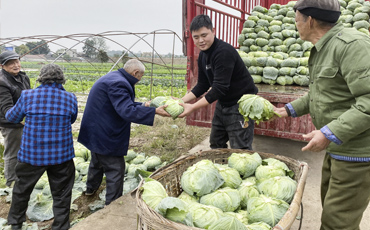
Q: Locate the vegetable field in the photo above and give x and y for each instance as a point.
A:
(158, 80)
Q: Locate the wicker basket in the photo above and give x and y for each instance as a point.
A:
(170, 176)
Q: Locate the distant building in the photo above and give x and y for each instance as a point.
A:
(70, 52)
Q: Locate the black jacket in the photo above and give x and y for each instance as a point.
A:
(222, 68)
(10, 91)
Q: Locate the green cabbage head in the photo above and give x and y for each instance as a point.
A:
(258, 226)
(205, 215)
(227, 199)
(227, 222)
(280, 187)
(176, 210)
(201, 178)
(174, 108)
(245, 163)
(153, 192)
(231, 176)
(266, 209)
(152, 162)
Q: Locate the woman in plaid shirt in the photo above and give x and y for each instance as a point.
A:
(47, 145)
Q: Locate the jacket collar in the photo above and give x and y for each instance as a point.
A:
(331, 33)
(53, 85)
(213, 46)
(131, 79)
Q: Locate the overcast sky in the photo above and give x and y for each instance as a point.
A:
(65, 17)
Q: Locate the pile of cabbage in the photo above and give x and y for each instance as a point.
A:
(249, 193)
(173, 105)
(272, 50)
(40, 206)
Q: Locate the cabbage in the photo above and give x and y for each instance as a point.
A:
(290, 62)
(83, 168)
(176, 210)
(204, 215)
(158, 101)
(201, 178)
(153, 192)
(245, 163)
(256, 78)
(268, 171)
(270, 73)
(241, 215)
(174, 108)
(281, 80)
(266, 209)
(226, 199)
(139, 159)
(227, 223)
(287, 71)
(247, 189)
(78, 160)
(278, 164)
(132, 168)
(131, 154)
(280, 187)
(41, 208)
(188, 198)
(255, 107)
(151, 162)
(230, 175)
(301, 80)
(258, 226)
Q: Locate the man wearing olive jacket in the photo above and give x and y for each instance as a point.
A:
(105, 126)
(339, 104)
(12, 82)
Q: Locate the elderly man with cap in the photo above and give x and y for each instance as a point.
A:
(339, 104)
(12, 82)
(47, 146)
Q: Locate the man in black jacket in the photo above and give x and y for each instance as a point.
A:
(223, 75)
(12, 82)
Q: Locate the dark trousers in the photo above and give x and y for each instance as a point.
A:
(114, 169)
(61, 179)
(345, 193)
(227, 125)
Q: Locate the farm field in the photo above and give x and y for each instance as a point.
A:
(158, 80)
(167, 139)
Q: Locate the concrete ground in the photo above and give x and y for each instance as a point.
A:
(121, 214)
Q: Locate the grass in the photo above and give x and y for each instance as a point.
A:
(167, 139)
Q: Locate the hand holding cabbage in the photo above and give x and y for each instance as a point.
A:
(256, 108)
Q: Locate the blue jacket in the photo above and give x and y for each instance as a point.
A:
(110, 109)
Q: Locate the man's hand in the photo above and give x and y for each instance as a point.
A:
(317, 143)
(188, 109)
(160, 111)
(281, 111)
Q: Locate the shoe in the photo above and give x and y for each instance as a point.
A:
(89, 192)
(17, 226)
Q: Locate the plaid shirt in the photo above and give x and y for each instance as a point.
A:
(47, 134)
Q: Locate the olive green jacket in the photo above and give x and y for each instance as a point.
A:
(339, 90)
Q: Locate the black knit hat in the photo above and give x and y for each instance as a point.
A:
(323, 10)
(8, 55)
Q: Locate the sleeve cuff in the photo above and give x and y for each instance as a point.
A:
(291, 112)
(330, 135)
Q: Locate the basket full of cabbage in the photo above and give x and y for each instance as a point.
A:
(223, 189)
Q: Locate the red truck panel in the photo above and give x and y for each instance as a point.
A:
(228, 27)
